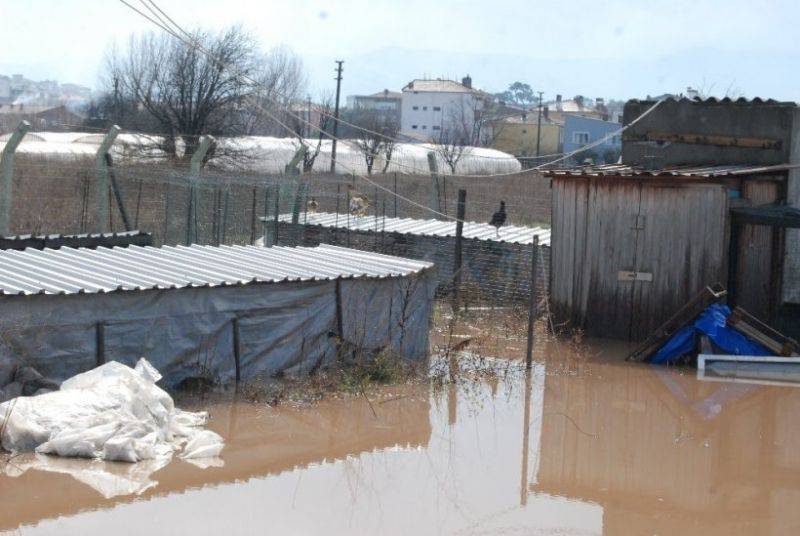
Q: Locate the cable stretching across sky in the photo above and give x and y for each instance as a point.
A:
(193, 44)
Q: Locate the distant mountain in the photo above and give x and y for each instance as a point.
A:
(713, 71)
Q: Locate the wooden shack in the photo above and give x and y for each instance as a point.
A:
(630, 246)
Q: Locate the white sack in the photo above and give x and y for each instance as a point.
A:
(112, 412)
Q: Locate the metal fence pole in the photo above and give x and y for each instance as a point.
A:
(194, 173)
(277, 214)
(253, 218)
(435, 199)
(457, 257)
(7, 188)
(101, 199)
(533, 305)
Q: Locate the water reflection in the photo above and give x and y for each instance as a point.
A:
(600, 448)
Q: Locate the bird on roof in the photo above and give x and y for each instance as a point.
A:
(359, 203)
(312, 206)
(499, 218)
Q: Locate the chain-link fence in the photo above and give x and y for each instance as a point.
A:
(57, 194)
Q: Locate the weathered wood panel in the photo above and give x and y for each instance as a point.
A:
(754, 270)
(610, 248)
(567, 292)
(682, 244)
(674, 232)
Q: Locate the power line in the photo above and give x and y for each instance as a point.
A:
(196, 46)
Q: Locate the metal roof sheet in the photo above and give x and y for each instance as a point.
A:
(725, 100)
(708, 172)
(472, 230)
(102, 270)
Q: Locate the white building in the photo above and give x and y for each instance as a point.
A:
(432, 106)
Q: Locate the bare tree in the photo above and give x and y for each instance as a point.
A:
(181, 92)
(471, 122)
(321, 130)
(281, 83)
(376, 136)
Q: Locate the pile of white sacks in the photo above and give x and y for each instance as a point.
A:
(112, 412)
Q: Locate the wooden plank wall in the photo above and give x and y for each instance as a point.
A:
(681, 242)
(754, 273)
(683, 245)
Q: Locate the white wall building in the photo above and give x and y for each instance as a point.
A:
(430, 106)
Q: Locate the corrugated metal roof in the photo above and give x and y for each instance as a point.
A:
(85, 240)
(76, 271)
(724, 100)
(707, 172)
(472, 230)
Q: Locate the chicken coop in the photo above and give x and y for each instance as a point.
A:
(496, 263)
(217, 313)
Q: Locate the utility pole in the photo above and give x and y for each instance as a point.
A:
(539, 126)
(336, 113)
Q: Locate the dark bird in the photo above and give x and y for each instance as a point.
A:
(499, 218)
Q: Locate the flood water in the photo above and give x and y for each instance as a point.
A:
(579, 447)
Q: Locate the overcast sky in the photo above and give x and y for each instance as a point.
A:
(574, 46)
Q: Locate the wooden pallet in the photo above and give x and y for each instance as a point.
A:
(755, 329)
(681, 318)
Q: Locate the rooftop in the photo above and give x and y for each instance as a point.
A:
(102, 270)
(756, 101)
(441, 86)
(703, 172)
(409, 226)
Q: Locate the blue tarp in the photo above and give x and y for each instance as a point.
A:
(712, 323)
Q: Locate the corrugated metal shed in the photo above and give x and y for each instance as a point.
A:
(704, 172)
(472, 230)
(103, 270)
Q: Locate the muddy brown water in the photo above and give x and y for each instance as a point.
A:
(608, 448)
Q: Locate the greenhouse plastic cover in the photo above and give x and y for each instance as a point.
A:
(112, 412)
(712, 323)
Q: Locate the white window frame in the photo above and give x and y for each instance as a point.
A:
(577, 137)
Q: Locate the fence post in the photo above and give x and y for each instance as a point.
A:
(533, 305)
(277, 214)
(435, 200)
(224, 221)
(100, 343)
(7, 189)
(457, 257)
(237, 351)
(101, 180)
(264, 221)
(253, 218)
(194, 173)
(298, 199)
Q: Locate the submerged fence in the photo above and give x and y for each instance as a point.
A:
(180, 205)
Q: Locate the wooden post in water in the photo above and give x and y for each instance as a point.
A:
(533, 305)
(458, 254)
